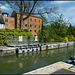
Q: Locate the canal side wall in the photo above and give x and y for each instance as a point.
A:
(12, 50)
(56, 46)
(7, 51)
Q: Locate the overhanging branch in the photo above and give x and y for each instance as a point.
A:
(35, 1)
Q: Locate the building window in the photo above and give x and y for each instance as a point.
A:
(6, 20)
(39, 21)
(39, 26)
(30, 19)
(30, 25)
(34, 35)
(5, 15)
(35, 20)
(26, 19)
(35, 26)
(25, 25)
(34, 30)
(30, 30)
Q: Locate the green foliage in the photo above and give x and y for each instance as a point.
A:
(71, 30)
(7, 33)
(57, 30)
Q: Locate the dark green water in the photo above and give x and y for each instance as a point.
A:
(22, 63)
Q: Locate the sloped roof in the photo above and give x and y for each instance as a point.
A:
(33, 15)
(1, 20)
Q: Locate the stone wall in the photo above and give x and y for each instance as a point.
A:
(7, 51)
(55, 46)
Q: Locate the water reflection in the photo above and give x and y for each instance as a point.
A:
(25, 62)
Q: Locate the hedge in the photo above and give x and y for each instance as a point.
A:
(12, 32)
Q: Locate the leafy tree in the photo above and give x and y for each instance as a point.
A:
(28, 7)
(59, 26)
(70, 30)
(23, 7)
(56, 30)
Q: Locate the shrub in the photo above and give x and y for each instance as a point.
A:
(10, 33)
(66, 39)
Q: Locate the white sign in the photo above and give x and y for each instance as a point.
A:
(36, 38)
(20, 38)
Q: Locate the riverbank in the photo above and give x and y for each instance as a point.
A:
(56, 45)
(26, 62)
(50, 69)
(4, 50)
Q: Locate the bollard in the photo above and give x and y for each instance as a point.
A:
(46, 47)
(67, 45)
(38, 44)
(40, 48)
(58, 46)
(17, 51)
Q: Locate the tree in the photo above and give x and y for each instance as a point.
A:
(28, 7)
(23, 7)
(56, 30)
(70, 30)
(60, 26)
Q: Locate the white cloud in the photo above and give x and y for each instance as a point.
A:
(59, 2)
(40, 7)
(3, 7)
(72, 20)
(69, 12)
(6, 5)
(72, 8)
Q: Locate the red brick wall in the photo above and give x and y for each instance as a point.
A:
(28, 22)
(25, 22)
(33, 23)
(11, 22)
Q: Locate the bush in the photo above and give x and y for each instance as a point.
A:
(25, 30)
(7, 33)
(66, 39)
(70, 37)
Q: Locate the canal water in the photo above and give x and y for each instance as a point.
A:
(22, 63)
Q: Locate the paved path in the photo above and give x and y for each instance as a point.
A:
(64, 71)
(51, 68)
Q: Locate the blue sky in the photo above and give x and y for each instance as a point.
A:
(67, 8)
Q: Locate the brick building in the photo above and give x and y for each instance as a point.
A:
(6, 22)
(32, 24)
